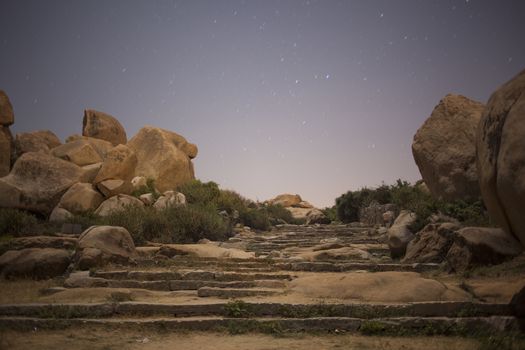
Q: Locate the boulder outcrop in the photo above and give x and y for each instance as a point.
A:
(163, 156)
(501, 156)
(37, 182)
(444, 148)
(103, 126)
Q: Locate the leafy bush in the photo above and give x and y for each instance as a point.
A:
(16, 222)
(348, 206)
(330, 213)
(413, 198)
(256, 218)
(231, 201)
(185, 224)
(250, 214)
(277, 213)
(203, 193)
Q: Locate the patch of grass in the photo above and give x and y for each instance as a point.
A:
(373, 328)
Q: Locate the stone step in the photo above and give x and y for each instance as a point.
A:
(362, 311)
(473, 326)
(230, 293)
(366, 266)
(187, 275)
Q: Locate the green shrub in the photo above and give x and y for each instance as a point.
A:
(198, 192)
(413, 198)
(16, 222)
(256, 218)
(185, 224)
(348, 206)
(278, 213)
(330, 213)
(231, 201)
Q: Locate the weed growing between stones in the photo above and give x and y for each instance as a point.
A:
(238, 309)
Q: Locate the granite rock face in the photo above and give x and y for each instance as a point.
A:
(501, 156)
(444, 148)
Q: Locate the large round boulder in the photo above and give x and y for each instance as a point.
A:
(101, 244)
(37, 263)
(501, 156)
(103, 126)
(444, 148)
(37, 182)
(163, 156)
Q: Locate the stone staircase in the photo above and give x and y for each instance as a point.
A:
(243, 295)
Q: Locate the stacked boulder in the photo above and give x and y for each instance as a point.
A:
(300, 209)
(92, 172)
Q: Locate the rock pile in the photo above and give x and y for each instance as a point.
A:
(300, 209)
(92, 171)
(466, 150)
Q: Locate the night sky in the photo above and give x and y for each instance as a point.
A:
(308, 97)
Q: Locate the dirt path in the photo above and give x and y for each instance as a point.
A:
(103, 339)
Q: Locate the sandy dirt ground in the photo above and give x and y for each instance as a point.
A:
(104, 339)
